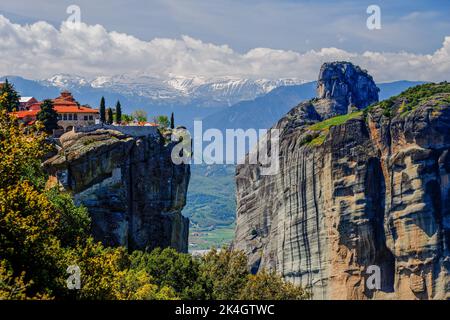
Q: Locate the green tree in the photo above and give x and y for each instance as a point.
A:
(172, 121)
(226, 276)
(270, 286)
(139, 115)
(30, 223)
(14, 287)
(28, 236)
(225, 273)
(11, 99)
(163, 121)
(75, 220)
(170, 268)
(20, 153)
(139, 285)
(127, 118)
(118, 112)
(48, 116)
(109, 116)
(102, 110)
(3, 101)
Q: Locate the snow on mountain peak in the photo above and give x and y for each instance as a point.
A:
(66, 81)
(185, 85)
(226, 90)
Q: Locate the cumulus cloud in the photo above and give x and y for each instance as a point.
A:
(40, 50)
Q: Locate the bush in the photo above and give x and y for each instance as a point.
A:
(172, 269)
(75, 220)
(270, 286)
(225, 273)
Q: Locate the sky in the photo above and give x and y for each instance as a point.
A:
(224, 38)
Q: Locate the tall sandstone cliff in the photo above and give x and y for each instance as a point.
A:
(128, 183)
(367, 189)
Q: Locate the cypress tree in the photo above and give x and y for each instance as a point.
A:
(109, 118)
(48, 116)
(172, 121)
(118, 112)
(102, 110)
(12, 101)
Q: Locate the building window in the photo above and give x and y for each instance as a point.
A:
(70, 117)
(75, 117)
(85, 118)
(65, 117)
(91, 118)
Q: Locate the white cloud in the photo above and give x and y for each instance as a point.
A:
(40, 50)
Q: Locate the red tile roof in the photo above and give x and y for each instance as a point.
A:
(26, 113)
(63, 104)
(73, 109)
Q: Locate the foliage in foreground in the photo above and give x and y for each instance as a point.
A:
(9, 98)
(42, 233)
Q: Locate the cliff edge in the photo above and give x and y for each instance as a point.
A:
(128, 183)
(363, 190)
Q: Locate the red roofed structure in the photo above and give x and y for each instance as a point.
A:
(26, 116)
(26, 102)
(70, 113)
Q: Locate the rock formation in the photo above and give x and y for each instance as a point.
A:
(355, 194)
(127, 181)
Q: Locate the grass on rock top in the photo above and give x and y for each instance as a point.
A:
(335, 121)
(324, 127)
(414, 97)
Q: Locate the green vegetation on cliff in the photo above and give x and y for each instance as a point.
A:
(430, 93)
(321, 129)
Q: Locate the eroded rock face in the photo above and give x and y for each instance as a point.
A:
(376, 192)
(343, 86)
(131, 188)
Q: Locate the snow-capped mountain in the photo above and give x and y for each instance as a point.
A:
(66, 81)
(180, 90)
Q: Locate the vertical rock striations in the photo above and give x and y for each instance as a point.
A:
(131, 188)
(360, 190)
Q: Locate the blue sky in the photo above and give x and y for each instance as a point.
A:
(416, 27)
(410, 25)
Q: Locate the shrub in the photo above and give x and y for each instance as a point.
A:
(270, 286)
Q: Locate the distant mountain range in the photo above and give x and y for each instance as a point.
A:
(181, 91)
(175, 90)
(220, 103)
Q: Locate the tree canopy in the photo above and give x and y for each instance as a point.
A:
(102, 110)
(10, 98)
(48, 116)
(139, 115)
(109, 116)
(118, 112)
